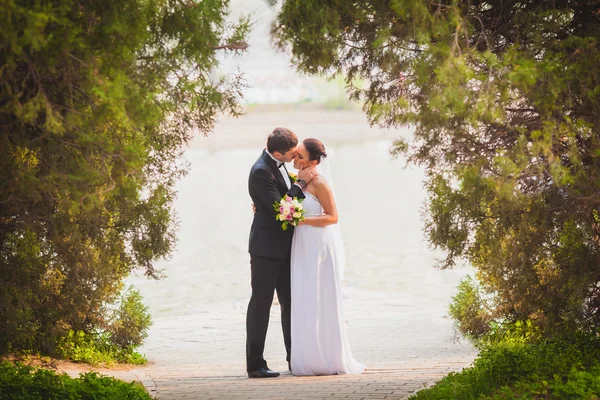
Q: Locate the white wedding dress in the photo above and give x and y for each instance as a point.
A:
(319, 342)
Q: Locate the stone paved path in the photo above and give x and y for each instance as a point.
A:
(406, 343)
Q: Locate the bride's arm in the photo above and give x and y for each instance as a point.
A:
(325, 196)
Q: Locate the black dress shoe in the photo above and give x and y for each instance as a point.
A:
(263, 373)
(289, 366)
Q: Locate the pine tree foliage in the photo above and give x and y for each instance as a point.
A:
(505, 100)
(97, 100)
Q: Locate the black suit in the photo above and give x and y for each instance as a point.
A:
(269, 250)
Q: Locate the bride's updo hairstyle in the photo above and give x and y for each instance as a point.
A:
(315, 149)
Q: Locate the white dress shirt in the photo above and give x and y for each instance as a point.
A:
(282, 171)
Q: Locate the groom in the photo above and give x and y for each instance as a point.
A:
(270, 246)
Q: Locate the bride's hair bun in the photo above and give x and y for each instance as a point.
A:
(315, 148)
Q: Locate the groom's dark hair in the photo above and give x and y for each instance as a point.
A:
(281, 140)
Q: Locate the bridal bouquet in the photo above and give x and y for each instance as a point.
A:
(289, 211)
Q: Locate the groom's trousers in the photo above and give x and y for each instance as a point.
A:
(268, 275)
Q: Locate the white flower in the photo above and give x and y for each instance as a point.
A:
(281, 217)
(295, 203)
(300, 207)
(286, 211)
(297, 215)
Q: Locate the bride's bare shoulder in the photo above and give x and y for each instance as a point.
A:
(320, 182)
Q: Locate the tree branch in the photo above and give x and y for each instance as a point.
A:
(232, 46)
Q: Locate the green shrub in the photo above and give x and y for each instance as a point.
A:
(130, 324)
(20, 382)
(522, 363)
(126, 330)
(581, 385)
(469, 311)
(96, 349)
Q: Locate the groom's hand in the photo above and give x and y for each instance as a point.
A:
(253, 208)
(307, 174)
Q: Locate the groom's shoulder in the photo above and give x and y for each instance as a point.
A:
(259, 164)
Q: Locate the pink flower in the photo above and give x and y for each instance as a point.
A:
(281, 210)
(289, 217)
(288, 199)
(292, 209)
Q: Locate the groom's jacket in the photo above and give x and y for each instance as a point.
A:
(267, 186)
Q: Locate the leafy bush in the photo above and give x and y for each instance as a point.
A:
(516, 364)
(126, 331)
(581, 385)
(520, 331)
(96, 349)
(469, 311)
(20, 382)
(130, 324)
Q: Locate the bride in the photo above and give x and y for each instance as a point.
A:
(319, 342)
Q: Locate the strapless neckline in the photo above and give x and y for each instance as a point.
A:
(312, 205)
(313, 196)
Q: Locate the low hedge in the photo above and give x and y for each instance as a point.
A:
(22, 382)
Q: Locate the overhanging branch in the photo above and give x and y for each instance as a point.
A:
(232, 46)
